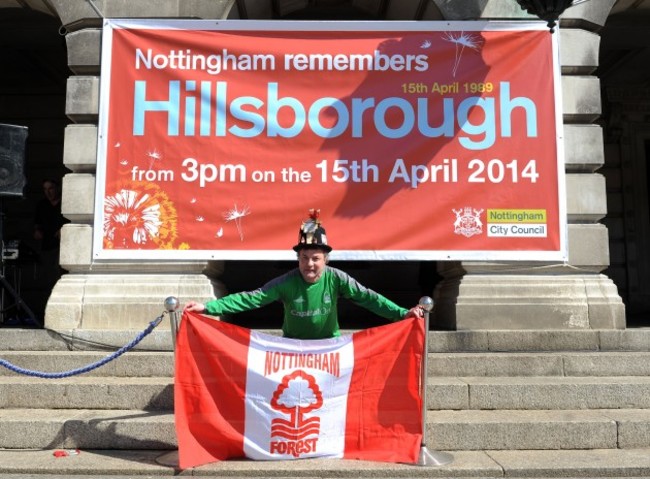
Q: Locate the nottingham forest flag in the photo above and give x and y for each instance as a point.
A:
(243, 393)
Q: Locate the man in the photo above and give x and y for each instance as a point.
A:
(309, 293)
(48, 221)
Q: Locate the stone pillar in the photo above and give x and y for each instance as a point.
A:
(115, 295)
(523, 295)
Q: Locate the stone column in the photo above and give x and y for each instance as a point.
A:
(522, 295)
(116, 295)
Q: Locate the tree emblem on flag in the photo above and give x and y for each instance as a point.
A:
(296, 395)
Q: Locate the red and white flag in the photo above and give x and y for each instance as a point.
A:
(243, 393)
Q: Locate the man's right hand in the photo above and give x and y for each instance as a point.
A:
(194, 307)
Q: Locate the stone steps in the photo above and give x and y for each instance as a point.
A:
(160, 363)
(130, 364)
(443, 393)
(28, 428)
(529, 341)
(123, 464)
(538, 429)
(502, 402)
(538, 392)
(151, 394)
(469, 413)
(570, 364)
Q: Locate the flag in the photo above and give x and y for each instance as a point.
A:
(243, 393)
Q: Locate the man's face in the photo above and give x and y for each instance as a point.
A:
(311, 263)
(51, 191)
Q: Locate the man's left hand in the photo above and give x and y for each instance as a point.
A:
(415, 312)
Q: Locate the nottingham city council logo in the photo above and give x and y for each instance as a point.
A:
(468, 222)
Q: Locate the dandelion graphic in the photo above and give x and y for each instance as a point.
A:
(236, 216)
(138, 215)
(130, 218)
(462, 40)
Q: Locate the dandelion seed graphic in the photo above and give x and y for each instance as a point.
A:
(124, 162)
(117, 145)
(192, 201)
(425, 44)
(462, 40)
(155, 156)
(200, 218)
(236, 216)
(219, 233)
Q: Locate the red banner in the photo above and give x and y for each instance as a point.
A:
(418, 140)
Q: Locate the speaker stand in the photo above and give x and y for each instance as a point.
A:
(6, 286)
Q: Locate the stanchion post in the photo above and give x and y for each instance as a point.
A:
(426, 457)
(170, 458)
(171, 305)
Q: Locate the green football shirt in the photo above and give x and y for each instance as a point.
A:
(310, 309)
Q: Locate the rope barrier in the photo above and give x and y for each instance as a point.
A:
(89, 367)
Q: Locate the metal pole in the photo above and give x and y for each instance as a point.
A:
(170, 458)
(426, 457)
(171, 305)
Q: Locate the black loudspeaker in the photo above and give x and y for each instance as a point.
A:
(12, 159)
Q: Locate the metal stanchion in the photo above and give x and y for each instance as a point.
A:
(426, 457)
(171, 305)
(170, 458)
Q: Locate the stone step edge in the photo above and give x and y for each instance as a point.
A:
(439, 341)
(516, 364)
(131, 363)
(477, 364)
(450, 430)
(639, 382)
(432, 381)
(501, 416)
(488, 464)
(443, 393)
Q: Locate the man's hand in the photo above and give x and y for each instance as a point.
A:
(415, 312)
(194, 307)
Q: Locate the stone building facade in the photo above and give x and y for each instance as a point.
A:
(577, 294)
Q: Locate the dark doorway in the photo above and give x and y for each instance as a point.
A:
(625, 44)
(32, 95)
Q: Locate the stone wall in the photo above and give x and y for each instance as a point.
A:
(473, 295)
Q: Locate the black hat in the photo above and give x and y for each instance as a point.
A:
(312, 234)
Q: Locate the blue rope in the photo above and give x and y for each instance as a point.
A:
(89, 367)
